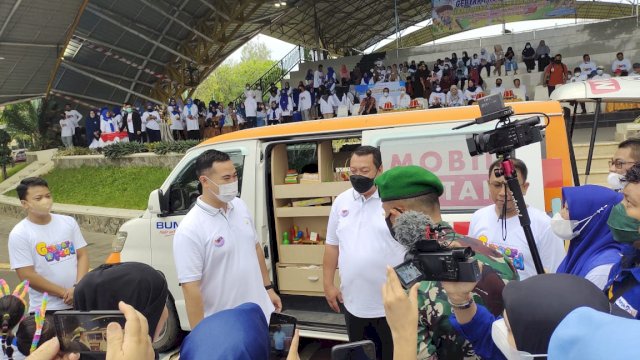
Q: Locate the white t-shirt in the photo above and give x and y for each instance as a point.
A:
(66, 127)
(325, 106)
(472, 95)
(624, 65)
(404, 100)
(588, 67)
(357, 226)
(274, 114)
(152, 124)
(51, 250)
(176, 122)
(458, 100)
(386, 99)
(318, 78)
(520, 93)
(498, 90)
(250, 107)
(219, 249)
(192, 124)
(75, 117)
(304, 101)
(440, 96)
(486, 227)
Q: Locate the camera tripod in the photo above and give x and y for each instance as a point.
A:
(508, 170)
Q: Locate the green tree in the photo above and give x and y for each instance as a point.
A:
(32, 121)
(255, 49)
(5, 152)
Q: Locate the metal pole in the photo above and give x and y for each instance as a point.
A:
(592, 142)
(395, 8)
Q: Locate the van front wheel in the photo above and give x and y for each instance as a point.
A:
(171, 335)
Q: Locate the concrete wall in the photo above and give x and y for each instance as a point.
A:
(153, 160)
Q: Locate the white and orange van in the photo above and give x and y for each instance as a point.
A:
(322, 148)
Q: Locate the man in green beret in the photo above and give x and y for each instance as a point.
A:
(413, 188)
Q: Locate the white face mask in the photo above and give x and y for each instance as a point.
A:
(615, 181)
(500, 336)
(576, 74)
(566, 229)
(227, 192)
(599, 72)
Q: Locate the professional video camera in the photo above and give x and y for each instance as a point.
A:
(428, 257)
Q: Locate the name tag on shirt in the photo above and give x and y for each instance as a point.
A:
(624, 305)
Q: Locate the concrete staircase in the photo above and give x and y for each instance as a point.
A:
(40, 163)
(603, 151)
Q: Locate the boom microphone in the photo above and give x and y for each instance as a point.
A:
(410, 227)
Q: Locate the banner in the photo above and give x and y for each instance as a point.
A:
(376, 90)
(454, 16)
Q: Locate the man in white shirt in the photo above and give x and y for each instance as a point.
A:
(151, 119)
(636, 69)
(304, 103)
(625, 157)
(274, 114)
(219, 259)
(190, 114)
(318, 79)
(587, 67)
(251, 109)
(47, 249)
(132, 123)
(75, 118)
(498, 226)
(621, 64)
(361, 246)
(437, 96)
(66, 130)
(520, 92)
(386, 102)
(499, 89)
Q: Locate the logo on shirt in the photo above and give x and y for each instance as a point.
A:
(344, 212)
(624, 305)
(219, 242)
(516, 257)
(55, 252)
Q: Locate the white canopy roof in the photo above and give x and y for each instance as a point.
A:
(619, 89)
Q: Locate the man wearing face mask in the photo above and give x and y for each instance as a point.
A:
(386, 102)
(368, 105)
(499, 89)
(151, 118)
(555, 74)
(132, 123)
(47, 249)
(600, 74)
(359, 243)
(623, 287)
(627, 155)
(219, 259)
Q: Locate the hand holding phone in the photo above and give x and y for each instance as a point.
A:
(281, 330)
(85, 331)
(359, 350)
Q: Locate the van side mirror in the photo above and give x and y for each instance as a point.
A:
(158, 203)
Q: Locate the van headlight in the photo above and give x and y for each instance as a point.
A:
(118, 242)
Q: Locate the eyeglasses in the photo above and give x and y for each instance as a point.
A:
(499, 185)
(619, 163)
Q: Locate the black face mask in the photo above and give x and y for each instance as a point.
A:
(368, 95)
(360, 183)
(498, 84)
(558, 61)
(390, 224)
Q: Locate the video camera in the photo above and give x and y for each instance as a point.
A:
(429, 260)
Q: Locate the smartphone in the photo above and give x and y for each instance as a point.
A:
(408, 274)
(359, 350)
(85, 331)
(281, 330)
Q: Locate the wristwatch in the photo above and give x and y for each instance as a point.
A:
(269, 287)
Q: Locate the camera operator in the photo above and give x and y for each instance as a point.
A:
(406, 188)
(499, 228)
(359, 242)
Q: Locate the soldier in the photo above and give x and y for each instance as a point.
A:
(406, 188)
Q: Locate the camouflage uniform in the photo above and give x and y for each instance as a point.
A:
(436, 337)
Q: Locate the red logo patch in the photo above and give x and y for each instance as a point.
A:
(604, 86)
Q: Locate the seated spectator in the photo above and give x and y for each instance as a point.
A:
(385, 102)
(587, 67)
(485, 61)
(404, 99)
(446, 80)
(499, 89)
(497, 59)
(520, 92)
(583, 221)
(274, 114)
(403, 70)
(436, 103)
(511, 62)
(529, 57)
(366, 79)
(437, 95)
(498, 226)
(455, 97)
(542, 55)
(621, 64)
(533, 308)
(623, 287)
(368, 104)
(462, 73)
(474, 61)
(579, 75)
(587, 334)
(636, 69)
(472, 92)
(600, 74)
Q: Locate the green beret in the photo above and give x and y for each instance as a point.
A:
(405, 182)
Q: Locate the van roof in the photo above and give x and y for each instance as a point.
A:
(382, 120)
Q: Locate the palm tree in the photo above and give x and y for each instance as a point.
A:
(32, 120)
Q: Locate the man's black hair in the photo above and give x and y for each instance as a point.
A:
(27, 183)
(206, 160)
(634, 145)
(365, 150)
(517, 163)
(633, 175)
(127, 104)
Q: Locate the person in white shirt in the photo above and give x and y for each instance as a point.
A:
(474, 61)
(455, 97)
(132, 123)
(587, 67)
(600, 74)
(286, 106)
(345, 103)
(360, 244)
(66, 130)
(499, 89)
(520, 92)
(621, 64)
(404, 99)
(177, 125)
(386, 102)
(498, 226)
(75, 118)
(151, 119)
(47, 249)
(107, 123)
(116, 113)
(326, 108)
(274, 114)
(304, 103)
(251, 109)
(219, 259)
(485, 61)
(190, 114)
(437, 93)
(318, 79)
(636, 69)
(472, 91)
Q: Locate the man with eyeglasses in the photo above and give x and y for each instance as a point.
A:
(627, 154)
(499, 228)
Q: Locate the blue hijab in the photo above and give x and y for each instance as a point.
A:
(236, 334)
(284, 100)
(595, 245)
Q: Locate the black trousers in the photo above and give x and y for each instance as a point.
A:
(154, 135)
(194, 134)
(133, 137)
(376, 330)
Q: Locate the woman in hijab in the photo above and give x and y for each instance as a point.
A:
(137, 284)
(331, 80)
(542, 55)
(510, 62)
(93, 129)
(583, 221)
(472, 91)
(286, 106)
(366, 80)
(533, 308)
(529, 57)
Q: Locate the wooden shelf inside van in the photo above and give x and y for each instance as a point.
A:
(293, 191)
(303, 211)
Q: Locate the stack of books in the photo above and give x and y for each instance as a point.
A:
(292, 177)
